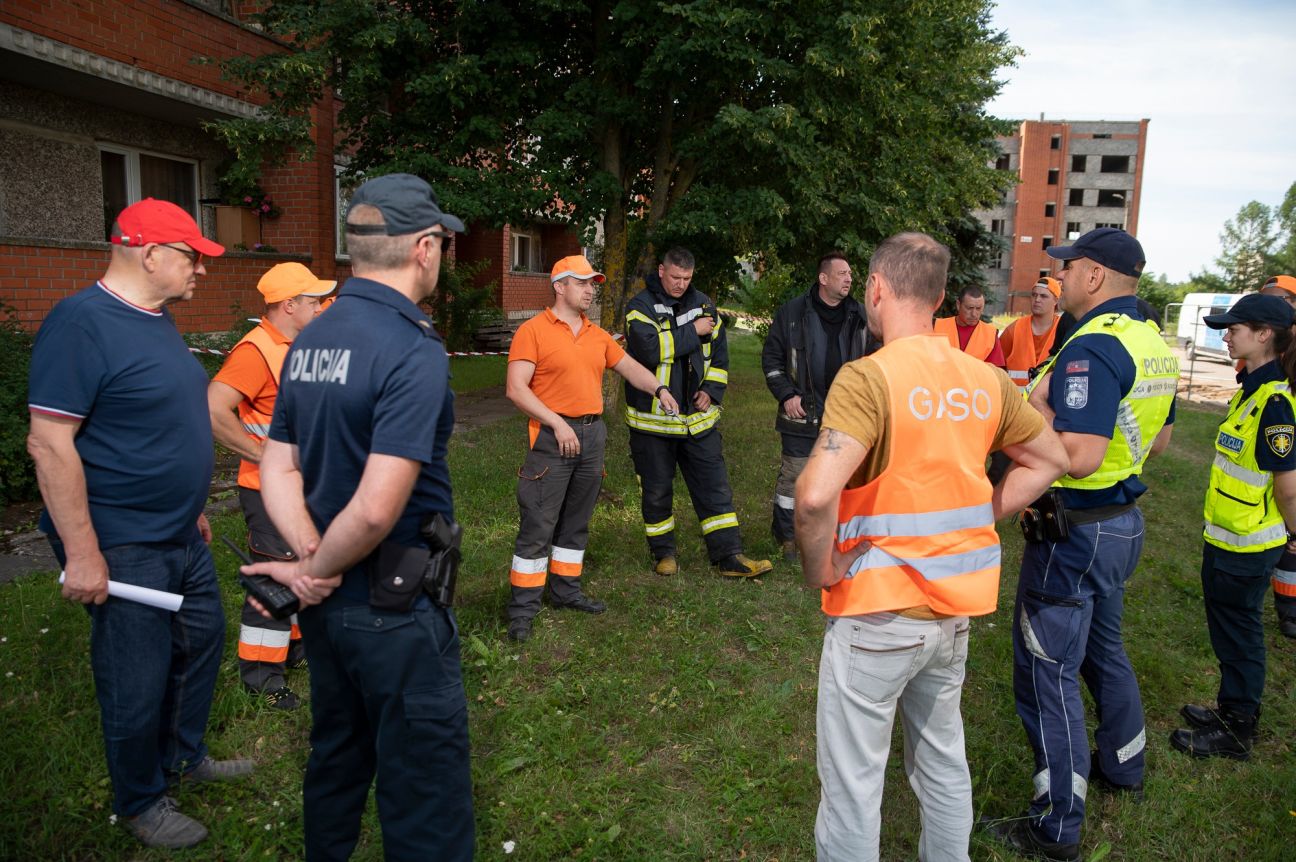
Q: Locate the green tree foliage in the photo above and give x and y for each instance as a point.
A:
(738, 127)
(1158, 291)
(1246, 246)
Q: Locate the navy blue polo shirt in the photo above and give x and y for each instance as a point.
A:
(1099, 366)
(145, 439)
(370, 376)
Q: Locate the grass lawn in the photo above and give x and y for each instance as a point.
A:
(680, 724)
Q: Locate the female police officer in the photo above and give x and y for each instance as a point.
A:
(1250, 504)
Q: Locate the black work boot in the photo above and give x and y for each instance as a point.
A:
(1232, 737)
(1199, 716)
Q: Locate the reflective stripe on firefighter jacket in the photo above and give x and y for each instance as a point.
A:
(1240, 511)
(1143, 410)
(707, 362)
(1024, 357)
(980, 344)
(256, 424)
(927, 515)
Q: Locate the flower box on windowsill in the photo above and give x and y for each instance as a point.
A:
(237, 225)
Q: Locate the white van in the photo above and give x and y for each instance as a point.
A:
(1194, 336)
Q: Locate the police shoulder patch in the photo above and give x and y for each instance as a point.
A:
(1279, 438)
(1076, 393)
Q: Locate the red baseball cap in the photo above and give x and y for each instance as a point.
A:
(152, 220)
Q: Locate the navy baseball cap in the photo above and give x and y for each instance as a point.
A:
(1109, 246)
(1254, 308)
(407, 203)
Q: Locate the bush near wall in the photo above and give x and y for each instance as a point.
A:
(17, 473)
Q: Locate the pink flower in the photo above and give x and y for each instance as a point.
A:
(265, 208)
(247, 200)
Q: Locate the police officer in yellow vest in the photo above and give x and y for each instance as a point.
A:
(1109, 393)
(895, 521)
(241, 401)
(1250, 504)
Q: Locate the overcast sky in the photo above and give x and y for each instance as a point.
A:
(1217, 81)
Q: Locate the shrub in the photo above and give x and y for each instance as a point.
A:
(17, 473)
(459, 307)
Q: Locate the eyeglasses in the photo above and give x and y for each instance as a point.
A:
(445, 236)
(195, 257)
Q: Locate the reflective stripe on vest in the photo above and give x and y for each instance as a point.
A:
(927, 517)
(1240, 512)
(1143, 410)
(1023, 356)
(256, 424)
(980, 343)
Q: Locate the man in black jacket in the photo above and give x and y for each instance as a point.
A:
(675, 331)
(811, 337)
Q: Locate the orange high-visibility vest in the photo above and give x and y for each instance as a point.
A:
(927, 515)
(980, 344)
(1024, 356)
(256, 424)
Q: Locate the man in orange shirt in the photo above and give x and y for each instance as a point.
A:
(555, 376)
(241, 400)
(966, 330)
(1026, 341)
(895, 520)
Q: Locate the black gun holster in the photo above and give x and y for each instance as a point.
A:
(1045, 520)
(398, 573)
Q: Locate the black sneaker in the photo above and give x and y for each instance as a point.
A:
(1099, 780)
(281, 698)
(1018, 834)
(519, 630)
(1287, 625)
(584, 604)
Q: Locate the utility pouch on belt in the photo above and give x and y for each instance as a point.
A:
(1045, 520)
(395, 577)
(442, 569)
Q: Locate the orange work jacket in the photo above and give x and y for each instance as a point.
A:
(927, 515)
(979, 346)
(1023, 357)
(255, 423)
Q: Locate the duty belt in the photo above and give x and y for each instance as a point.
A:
(587, 419)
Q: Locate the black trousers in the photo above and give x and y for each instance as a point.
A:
(1234, 587)
(700, 460)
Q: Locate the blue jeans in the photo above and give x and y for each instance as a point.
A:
(1067, 626)
(387, 697)
(155, 671)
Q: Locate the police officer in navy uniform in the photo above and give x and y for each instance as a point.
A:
(1250, 507)
(1110, 395)
(357, 457)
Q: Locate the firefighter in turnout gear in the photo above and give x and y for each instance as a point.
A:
(241, 400)
(1250, 509)
(676, 332)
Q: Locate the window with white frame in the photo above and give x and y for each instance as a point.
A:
(130, 175)
(526, 251)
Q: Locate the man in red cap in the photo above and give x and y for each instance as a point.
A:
(1284, 574)
(555, 376)
(241, 400)
(123, 449)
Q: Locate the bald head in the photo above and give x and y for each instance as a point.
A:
(914, 265)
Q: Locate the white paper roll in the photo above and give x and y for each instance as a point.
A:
(143, 595)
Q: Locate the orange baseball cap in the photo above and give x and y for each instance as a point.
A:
(575, 266)
(287, 280)
(152, 220)
(1054, 286)
(1284, 282)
